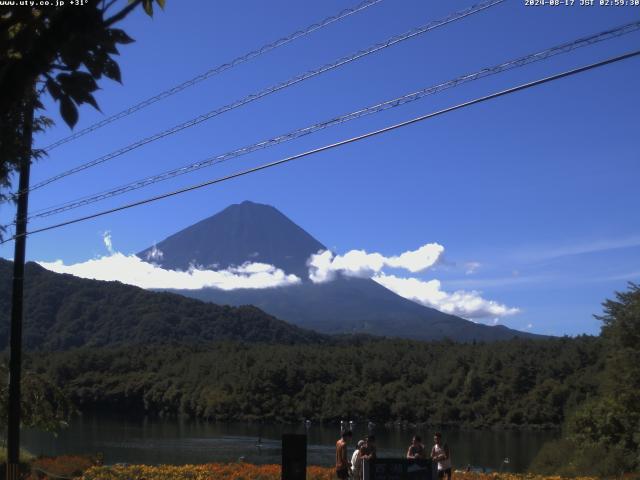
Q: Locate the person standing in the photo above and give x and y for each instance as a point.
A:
(440, 453)
(416, 450)
(369, 453)
(356, 461)
(369, 450)
(342, 462)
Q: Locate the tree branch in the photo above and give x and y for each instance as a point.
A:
(122, 13)
(61, 67)
(108, 5)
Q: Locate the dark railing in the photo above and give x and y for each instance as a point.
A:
(398, 469)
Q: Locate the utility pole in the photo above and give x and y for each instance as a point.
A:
(15, 362)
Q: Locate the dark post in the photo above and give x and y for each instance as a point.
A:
(294, 457)
(13, 423)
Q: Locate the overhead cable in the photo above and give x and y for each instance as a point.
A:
(485, 72)
(340, 143)
(214, 71)
(275, 88)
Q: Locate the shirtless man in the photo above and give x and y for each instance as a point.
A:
(342, 462)
(440, 453)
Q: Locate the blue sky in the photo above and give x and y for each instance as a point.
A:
(532, 195)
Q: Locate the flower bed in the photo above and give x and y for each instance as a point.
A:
(64, 466)
(246, 471)
(218, 471)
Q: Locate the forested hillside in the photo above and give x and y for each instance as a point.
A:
(519, 383)
(63, 311)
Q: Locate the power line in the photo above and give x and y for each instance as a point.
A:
(215, 71)
(340, 143)
(515, 63)
(275, 88)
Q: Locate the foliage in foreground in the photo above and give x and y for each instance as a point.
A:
(25, 456)
(602, 437)
(245, 471)
(64, 54)
(64, 466)
(43, 404)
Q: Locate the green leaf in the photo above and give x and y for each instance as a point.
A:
(94, 66)
(68, 111)
(72, 52)
(161, 3)
(110, 47)
(80, 96)
(119, 36)
(148, 7)
(77, 82)
(54, 89)
(85, 80)
(91, 101)
(112, 70)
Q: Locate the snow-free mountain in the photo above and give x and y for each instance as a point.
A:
(252, 232)
(248, 232)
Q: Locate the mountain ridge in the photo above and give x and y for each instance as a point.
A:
(63, 311)
(240, 233)
(345, 305)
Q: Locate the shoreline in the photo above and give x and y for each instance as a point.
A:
(389, 425)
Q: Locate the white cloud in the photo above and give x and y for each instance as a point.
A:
(106, 238)
(417, 260)
(324, 265)
(468, 304)
(154, 254)
(133, 270)
(472, 267)
(320, 267)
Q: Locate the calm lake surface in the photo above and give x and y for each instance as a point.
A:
(180, 442)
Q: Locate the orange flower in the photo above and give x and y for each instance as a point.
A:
(247, 471)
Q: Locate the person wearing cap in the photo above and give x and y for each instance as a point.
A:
(356, 461)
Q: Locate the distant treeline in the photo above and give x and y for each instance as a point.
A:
(518, 383)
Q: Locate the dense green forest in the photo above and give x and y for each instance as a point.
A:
(519, 383)
(602, 436)
(63, 311)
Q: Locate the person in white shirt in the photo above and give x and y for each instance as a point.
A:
(356, 461)
(440, 453)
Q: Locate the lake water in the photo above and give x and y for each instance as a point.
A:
(180, 442)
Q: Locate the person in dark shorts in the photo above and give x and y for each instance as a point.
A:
(440, 453)
(369, 450)
(342, 462)
(416, 450)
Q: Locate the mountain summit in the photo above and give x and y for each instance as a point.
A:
(252, 232)
(245, 232)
